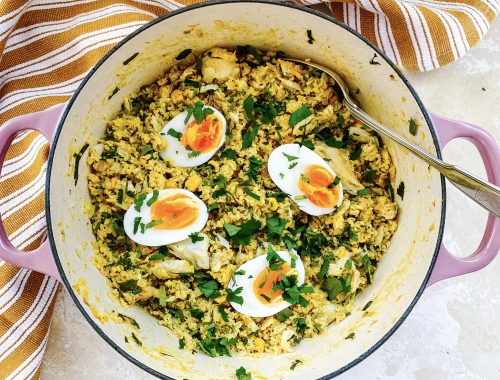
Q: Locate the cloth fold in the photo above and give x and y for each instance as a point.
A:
(48, 46)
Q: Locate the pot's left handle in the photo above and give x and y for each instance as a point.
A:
(45, 122)
(447, 265)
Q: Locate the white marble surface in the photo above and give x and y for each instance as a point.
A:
(453, 332)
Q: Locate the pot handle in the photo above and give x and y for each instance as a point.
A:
(447, 265)
(45, 122)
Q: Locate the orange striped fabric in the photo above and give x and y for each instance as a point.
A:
(47, 47)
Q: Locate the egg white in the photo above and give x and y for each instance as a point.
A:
(251, 305)
(176, 152)
(154, 237)
(287, 178)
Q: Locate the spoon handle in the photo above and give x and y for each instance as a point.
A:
(482, 192)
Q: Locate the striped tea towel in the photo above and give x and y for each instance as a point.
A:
(47, 47)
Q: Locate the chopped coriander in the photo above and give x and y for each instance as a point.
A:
(146, 149)
(401, 190)
(218, 193)
(263, 283)
(368, 304)
(248, 105)
(247, 50)
(183, 54)
(268, 300)
(324, 267)
(289, 157)
(153, 198)
(162, 296)
(151, 224)
(139, 201)
(295, 363)
(250, 135)
(241, 234)
(193, 153)
(250, 193)
(136, 340)
(363, 192)
(370, 176)
(130, 59)
(356, 154)
(192, 83)
(129, 286)
(160, 254)
(172, 132)
(390, 189)
(113, 93)
(299, 115)
(242, 374)
(78, 157)
(333, 287)
(119, 197)
(310, 38)
(281, 175)
(299, 197)
(254, 168)
(182, 344)
(231, 229)
(350, 336)
(268, 111)
(275, 261)
(275, 229)
(292, 293)
(196, 237)
(301, 325)
(197, 313)
(412, 126)
(212, 207)
(223, 314)
(130, 320)
(233, 295)
(137, 221)
(284, 314)
(118, 227)
(293, 164)
(372, 61)
(209, 288)
(348, 264)
(229, 153)
(307, 143)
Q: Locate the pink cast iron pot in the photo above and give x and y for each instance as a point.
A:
(415, 259)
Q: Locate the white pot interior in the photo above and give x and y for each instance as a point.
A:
(382, 93)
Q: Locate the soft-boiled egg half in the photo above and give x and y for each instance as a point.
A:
(165, 217)
(256, 279)
(192, 142)
(306, 178)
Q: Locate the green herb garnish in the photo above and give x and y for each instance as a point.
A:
(153, 198)
(139, 201)
(78, 157)
(130, 59)
(146, 149)
(183, 54)
(229, 153)
(250, 193)
(307, 143)
(233, 295)
(223, 314)
(182, 344)
(310, 38)
(356, 154)
(412, 126)
(129, 286)
(172, 132)
(241, 234)
(137, 221)
(289, 157)
(196, 237)
(119, 197)
(299, 115)
(162, 296)
(284, 314)
(255, 166)
(363, 192)
(401, 190)
(242, 374)
(275, 229)
(192, 83)
(250, 135)
(370, 176)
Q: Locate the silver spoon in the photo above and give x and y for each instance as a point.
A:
(484, 193)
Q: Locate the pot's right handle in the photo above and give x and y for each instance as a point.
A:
(447, 265)
(45, 122)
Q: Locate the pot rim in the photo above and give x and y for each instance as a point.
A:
(50, 234)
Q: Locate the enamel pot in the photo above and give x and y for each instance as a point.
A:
(416, 258)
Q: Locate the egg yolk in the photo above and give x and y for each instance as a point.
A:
(316, 184)
(203, 137)
(175, 211)
(263, 284)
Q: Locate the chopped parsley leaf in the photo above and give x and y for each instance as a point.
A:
(333, 287)
(172, 132)
(196, 237)
(363, 192)
(250, 193)
(274, 259)
(192, 83)
(193, 153)
(130, 59)
(137, 221)
(250, 135)
(370, 176)
(223, 314)
(289, 157)
(233, 295)
(390, 189)
(293, 164)
(119, 197)
(146, 149)
(209, 288)
(162, 296)
(412, 126)
(182, 344)
(153, 198)
(241, 234)
(275, 228)
(299, 115)
(356, 154)
(248, 105)
(307, 143)
(295, 363)
(401, 190)
(229, 153)
(183, 54)
(242, 374)
(78, 157)
(310, 38)
(255, 166)
(197, 313)
(350, 336)
(284, 314)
